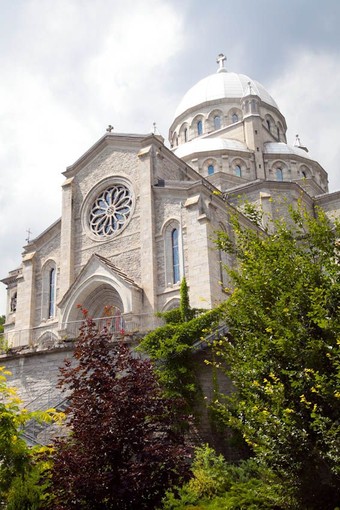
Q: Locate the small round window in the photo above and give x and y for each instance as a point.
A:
(110, 211)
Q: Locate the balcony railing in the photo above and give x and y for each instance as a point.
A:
(54, 332)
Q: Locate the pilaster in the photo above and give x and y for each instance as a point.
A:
(66, 275)
(25, 301)
(147, 230)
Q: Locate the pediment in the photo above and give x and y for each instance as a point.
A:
(128, 142)
(100, 271)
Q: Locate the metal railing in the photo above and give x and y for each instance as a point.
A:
(35, 432)
(56, 333)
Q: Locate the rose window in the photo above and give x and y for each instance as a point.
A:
(111, 210)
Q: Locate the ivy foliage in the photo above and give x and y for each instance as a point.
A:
(170, 346)
(2, 322)
(284, 352)
(3, 343)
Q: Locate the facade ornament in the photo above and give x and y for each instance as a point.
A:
(28, 238)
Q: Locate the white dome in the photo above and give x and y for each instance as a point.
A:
(208, 145)
(222, 85)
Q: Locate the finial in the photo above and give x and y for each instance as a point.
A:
(28, 238)
(155, 129)
(109, 128)
(221, 58)
(297, 142)
(250, 88)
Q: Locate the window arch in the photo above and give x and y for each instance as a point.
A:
(183, 133)
(234, 118)
(270, 124)
(49, 281)
(217, 122)
(175, 255)
(174, 139)
(211, 169)
(172, 253)
(238, 171)
(238, 167)
(280, 132)
(209, 166)
(279, 174)
(304, 172)
(199, 127)
(51, 293)
(171, 305)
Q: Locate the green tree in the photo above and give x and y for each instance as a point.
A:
(184, 306)
(283, 352)
(217, 484)
(23, 471)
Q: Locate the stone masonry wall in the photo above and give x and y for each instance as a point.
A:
(35, 375)
(122, 250)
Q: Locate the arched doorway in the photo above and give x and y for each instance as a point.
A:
(103, 304)
(105, 307)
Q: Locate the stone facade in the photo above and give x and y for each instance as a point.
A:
(138, 216)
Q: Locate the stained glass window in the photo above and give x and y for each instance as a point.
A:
(51, 293)
(175, 255)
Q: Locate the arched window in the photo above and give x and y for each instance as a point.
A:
(51, 294)
(185, 134)
(268, 124)
(199, 128)
(49, 290)
(278, 133)
(279, 174)
(217, 122)
(238, 171)
(175, 256)
(211, 169)
(234, 118)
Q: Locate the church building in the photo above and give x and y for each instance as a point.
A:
(138, 215)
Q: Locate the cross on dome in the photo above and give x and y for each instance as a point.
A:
(221, 58)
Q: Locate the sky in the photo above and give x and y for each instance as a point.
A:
(71, 67)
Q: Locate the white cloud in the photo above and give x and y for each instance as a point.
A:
(308, 95)
(70, 68)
